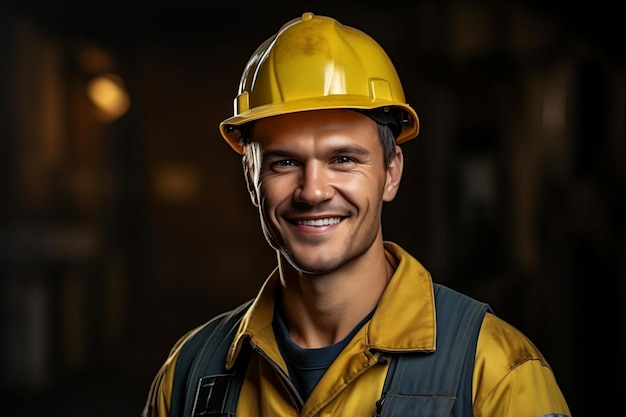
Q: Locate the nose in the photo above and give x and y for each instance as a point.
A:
(315, 184)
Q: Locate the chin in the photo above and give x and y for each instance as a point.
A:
(310, 266)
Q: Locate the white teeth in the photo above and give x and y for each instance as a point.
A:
(319, 222)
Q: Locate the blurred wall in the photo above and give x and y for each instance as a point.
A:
(121, 231)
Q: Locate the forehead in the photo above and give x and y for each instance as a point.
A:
(316, 126)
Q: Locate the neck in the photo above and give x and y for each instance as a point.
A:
(322, 309)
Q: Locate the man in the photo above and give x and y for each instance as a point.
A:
(347, 324)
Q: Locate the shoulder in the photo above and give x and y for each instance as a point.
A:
(158, 403)
(511, 372)
(501, 342)
(169, 383)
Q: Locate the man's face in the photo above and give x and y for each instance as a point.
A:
(319, 181)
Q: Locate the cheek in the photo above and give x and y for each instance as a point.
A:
(273, 192)
(361, 187)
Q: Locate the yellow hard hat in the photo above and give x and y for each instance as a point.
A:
(314, 63)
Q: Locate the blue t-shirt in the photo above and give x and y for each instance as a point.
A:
(306, 366)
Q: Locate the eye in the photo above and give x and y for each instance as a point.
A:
(283, 163)
(343, 160)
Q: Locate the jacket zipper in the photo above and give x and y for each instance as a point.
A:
(295, 395)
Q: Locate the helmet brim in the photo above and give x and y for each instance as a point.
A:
(230, 128)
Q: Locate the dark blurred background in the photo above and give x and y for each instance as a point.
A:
(125, 221)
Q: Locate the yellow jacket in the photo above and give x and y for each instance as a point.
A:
(511, 378)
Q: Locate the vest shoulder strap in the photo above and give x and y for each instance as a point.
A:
(437, 383)
(202, 386)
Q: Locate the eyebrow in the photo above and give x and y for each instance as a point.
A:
(278, 153)
(358, 150)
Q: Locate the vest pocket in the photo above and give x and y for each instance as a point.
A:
(396, 405)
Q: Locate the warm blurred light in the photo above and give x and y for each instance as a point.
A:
(108, 94)
(176, 184)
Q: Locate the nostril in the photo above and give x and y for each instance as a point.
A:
(313, 192)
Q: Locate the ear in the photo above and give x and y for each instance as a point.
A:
(394, 175)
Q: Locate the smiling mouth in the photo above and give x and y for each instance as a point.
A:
(318, 222)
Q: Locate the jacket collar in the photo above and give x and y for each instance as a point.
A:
(405, 317)
(404, 320)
